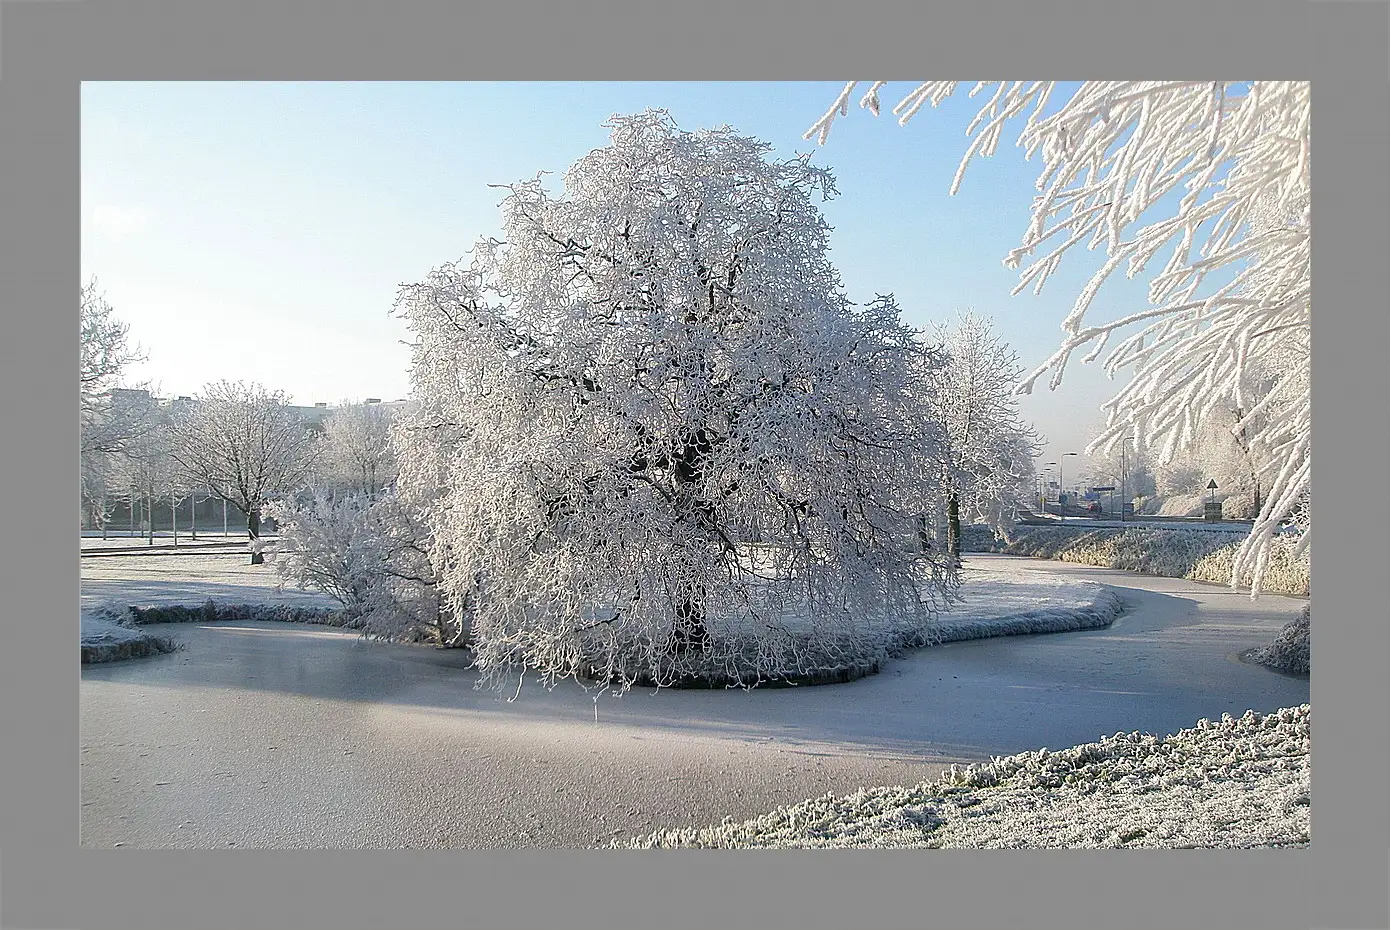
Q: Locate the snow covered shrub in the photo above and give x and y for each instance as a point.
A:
(370, 556)
(1290, 650)
(1200, 555)
(653, 371)
(1286, 571)
(215, 611)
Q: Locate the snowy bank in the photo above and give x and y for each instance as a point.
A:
(106, 639)
(993, 602)
(121, 594)
(1235, 783)
(1173, 552)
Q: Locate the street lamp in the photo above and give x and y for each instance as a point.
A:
(1124, 475)
(1062, 511)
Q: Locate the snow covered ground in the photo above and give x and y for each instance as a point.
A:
(189, 578)
(208, 747)
(1235, 783)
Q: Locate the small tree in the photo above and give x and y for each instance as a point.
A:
(357, 449)
(648, 375)
(1218, 174)
(988, 468)
(145, 468)
(245, 445)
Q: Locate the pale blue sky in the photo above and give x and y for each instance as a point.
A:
(259, 231)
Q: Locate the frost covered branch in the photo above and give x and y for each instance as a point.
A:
(1216, 174)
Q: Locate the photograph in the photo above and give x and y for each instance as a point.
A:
(534, 465)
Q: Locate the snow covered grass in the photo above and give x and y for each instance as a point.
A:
(1290, 650)
(148, 579)
(1235, 783)
(1173, 552)
(105, 638)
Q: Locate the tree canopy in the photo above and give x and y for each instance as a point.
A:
(655, 431)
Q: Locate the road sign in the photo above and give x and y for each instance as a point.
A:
(1212, 484)
(1107, 488)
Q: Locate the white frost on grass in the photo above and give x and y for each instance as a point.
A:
(1235, 783)
(1205, 554)
(147, 580)
(100, 627)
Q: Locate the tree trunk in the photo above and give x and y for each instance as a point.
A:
(150, 517)
(691, 633)
(924, 541)
(953, 530)
(253, 530)
(1258, 501)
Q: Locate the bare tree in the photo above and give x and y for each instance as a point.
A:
(357, 448)
(245, 445)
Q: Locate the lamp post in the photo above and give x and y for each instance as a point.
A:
(1062, 511)
(1124, 475)
(1048, 473)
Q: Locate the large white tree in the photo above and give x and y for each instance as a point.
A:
(1218, 175)
(653, 432)
(989, 466)
(246, 445)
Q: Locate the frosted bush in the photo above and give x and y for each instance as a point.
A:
(1290, 650)
(1199, 555)
(370, 555)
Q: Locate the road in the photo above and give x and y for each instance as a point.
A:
(271, 735)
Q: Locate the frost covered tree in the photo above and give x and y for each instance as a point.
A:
(357, 448)
(652, 433)
(988, 469)
(144, 469)
(245, 444)
(110, 423)
(1216, 174)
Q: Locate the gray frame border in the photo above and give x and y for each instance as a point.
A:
(46, 48)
